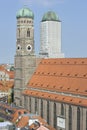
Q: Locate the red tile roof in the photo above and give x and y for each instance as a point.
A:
(64, 75)
(6, 85)
(23, 121)
(57, 97)
(10, 73)
(20, 117)
(67, 75)
(17, 113)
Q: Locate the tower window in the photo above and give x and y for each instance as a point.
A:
(28, 33)
(21, 21)
(18, 32)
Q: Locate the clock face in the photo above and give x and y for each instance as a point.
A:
(29, 48)
(18, 47)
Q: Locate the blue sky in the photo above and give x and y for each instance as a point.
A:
(72, 13)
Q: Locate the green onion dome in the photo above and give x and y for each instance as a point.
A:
(25, 13)
(50, 16)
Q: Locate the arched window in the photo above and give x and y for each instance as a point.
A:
(30, 103)
(25, 101)
(18, 32)
(55, 116)
(62, 109)
(86, 120)
(78, 118)
(28, 33)
(36, 105)
(48, 112)
(70, 118)
(41, 108)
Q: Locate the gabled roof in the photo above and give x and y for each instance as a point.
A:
(63, 80)
(68, 75)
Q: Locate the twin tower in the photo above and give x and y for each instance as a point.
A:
(25, 59)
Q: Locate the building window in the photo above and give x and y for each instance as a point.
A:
(86, 120)
(70, 118)
(78, 118)
(48, 112)
(28, 33)
(36, 105)
(30, 103)
(55, 117)
(25, 101)
(41, 108)
(62, 109)
(20, 102)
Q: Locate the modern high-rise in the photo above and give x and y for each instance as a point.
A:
(50, 36)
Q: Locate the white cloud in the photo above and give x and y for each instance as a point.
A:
(45, 3)
(27, 2)
(51, 2)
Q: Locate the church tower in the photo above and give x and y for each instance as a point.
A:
(25, 60)
(50, 36)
